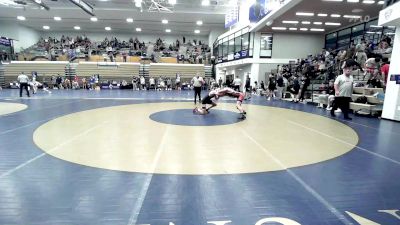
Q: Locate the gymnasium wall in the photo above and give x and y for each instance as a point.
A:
(126, 36)
(24, 36)
(295, 45)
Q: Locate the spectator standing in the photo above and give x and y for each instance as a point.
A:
(248, 88)
(178, 81)
(237, 83)
(343, 90)
(262, 85)
(385, 70)
(152, 83)
(23, 83)
(271, 87)
(280, 86)
(220, 82)
(142, 83)
(197, 82)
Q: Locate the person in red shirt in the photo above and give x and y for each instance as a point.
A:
(385, 69)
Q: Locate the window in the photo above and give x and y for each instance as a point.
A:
(238, 41)
(245, 41)
(231, 47)
(357, 33)
(344, 38)
(330, 41)
(225, 45)
(266, 45)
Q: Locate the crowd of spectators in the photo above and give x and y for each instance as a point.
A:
(372, 63)
(191, 51)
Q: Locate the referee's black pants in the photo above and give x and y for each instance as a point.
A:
(343, 103)
(21, 86)
(197, 92)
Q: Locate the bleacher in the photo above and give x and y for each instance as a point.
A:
(108, 70)
(43, 68)
(186, 71)
(373, 104)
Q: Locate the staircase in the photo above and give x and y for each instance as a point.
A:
(144, 70)
(2, 79)
(208, 71)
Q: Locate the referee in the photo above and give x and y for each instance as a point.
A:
(197, 82)
(23, 83)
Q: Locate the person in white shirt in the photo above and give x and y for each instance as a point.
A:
(23, 83)
(197, 82)
(152, 83)
(344, 89)
(178, 81)
(142, 82)
(237, 83)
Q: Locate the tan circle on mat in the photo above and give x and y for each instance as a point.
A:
(8, 107)
(124, 138)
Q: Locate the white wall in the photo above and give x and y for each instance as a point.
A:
(169, 39)
(294, 46)
(24, 37)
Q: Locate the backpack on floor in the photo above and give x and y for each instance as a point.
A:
(362, 99)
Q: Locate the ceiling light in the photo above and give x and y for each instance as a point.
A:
(352, 16)
(293, 28)
(138, 29)
(304, 29)
(168, 30)
(129, 20)
(304, 14)
(392, 27)
(278, 28)
(164, 21)
(93, 19)
(368, 2)
(353, 1)
(322, 14)
(77, 27)
(317, 29)
(370, 32)
(381, 2)
(38, 1)
(199, 22)
(376, 26)
(57, 18)
(138, 3)
(332, 0)
(197, 31)
(107, 28)
(290, 21)
(21, 18)
(205, 2)
(46, 27)
(305, 22)
(332, 24)
(172, 2)
(317, 23)
(335, 15)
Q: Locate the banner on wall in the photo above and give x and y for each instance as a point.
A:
(232, 16)
(5, 41)
(261, 8)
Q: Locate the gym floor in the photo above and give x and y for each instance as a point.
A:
(124, 157)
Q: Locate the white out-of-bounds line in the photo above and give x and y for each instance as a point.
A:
(345, 142)
(314, 193)
(26, 125)
(51, 150)
(39, 121)
(143, 192)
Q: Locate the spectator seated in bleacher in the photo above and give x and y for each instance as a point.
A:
(327, 96)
